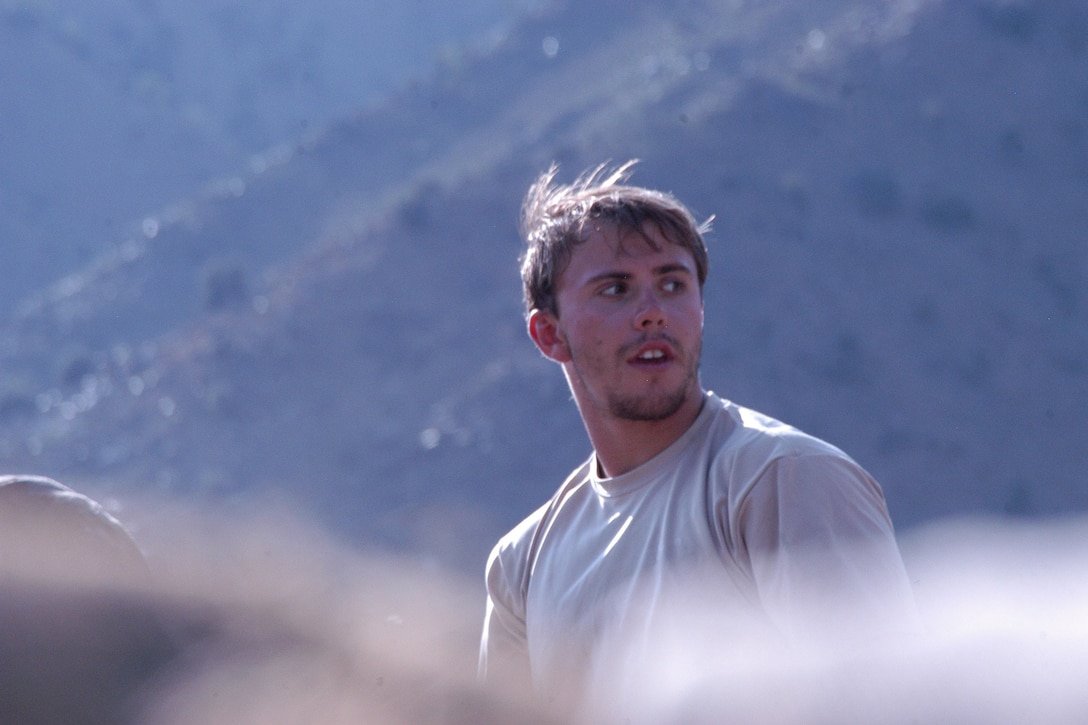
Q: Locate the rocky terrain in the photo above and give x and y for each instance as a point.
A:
(900, 193)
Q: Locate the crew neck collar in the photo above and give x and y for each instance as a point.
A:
(638, 477)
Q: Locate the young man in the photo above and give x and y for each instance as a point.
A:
(694, 520)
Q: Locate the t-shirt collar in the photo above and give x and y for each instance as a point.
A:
(652, 469)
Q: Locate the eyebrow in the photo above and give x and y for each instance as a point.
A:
(659, 271)
(604, 276)
(671, 268)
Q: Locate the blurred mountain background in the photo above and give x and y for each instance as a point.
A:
(261, 251)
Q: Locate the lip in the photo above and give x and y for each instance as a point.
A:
(657, 345)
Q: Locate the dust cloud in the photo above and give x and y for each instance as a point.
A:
(271, 620)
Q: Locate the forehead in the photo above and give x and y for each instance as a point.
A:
(606, 248)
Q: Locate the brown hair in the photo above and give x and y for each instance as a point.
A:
(554, 219)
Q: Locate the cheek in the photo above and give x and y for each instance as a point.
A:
(590, 339)
(689, 317)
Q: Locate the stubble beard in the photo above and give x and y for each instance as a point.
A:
(648, 409)
(655, 406)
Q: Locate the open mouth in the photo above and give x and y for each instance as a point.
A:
(652, 353)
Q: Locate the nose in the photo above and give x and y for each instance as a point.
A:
(650, 314)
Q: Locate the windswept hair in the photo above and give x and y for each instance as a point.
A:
(554, 218)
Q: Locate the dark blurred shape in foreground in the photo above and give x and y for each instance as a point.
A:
(256, 621)
(263, 618)
(78, 635)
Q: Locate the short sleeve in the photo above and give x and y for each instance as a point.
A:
(823, 553)
(504, 649)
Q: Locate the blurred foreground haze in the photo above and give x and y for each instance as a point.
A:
(259, 617)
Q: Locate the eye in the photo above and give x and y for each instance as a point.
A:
(615, 289)
(673, 285)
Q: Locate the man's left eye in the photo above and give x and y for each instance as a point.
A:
(614, 290)
(673, 285)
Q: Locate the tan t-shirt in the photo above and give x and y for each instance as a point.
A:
(743, 528)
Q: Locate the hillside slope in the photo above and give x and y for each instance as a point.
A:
(898, 265)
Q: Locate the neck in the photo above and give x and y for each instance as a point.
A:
(624, 445)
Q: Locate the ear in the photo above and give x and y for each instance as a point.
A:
(544, 329)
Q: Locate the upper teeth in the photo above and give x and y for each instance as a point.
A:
(652, 355)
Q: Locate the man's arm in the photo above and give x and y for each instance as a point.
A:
(823, 553)
(504, 647)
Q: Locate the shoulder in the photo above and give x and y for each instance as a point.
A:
(514, 544)
(510, 562)
(747, 440)
(758, 431)
(762, 452)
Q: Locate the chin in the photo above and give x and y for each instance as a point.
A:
(648, 408)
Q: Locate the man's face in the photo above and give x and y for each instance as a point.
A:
(629, 327)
